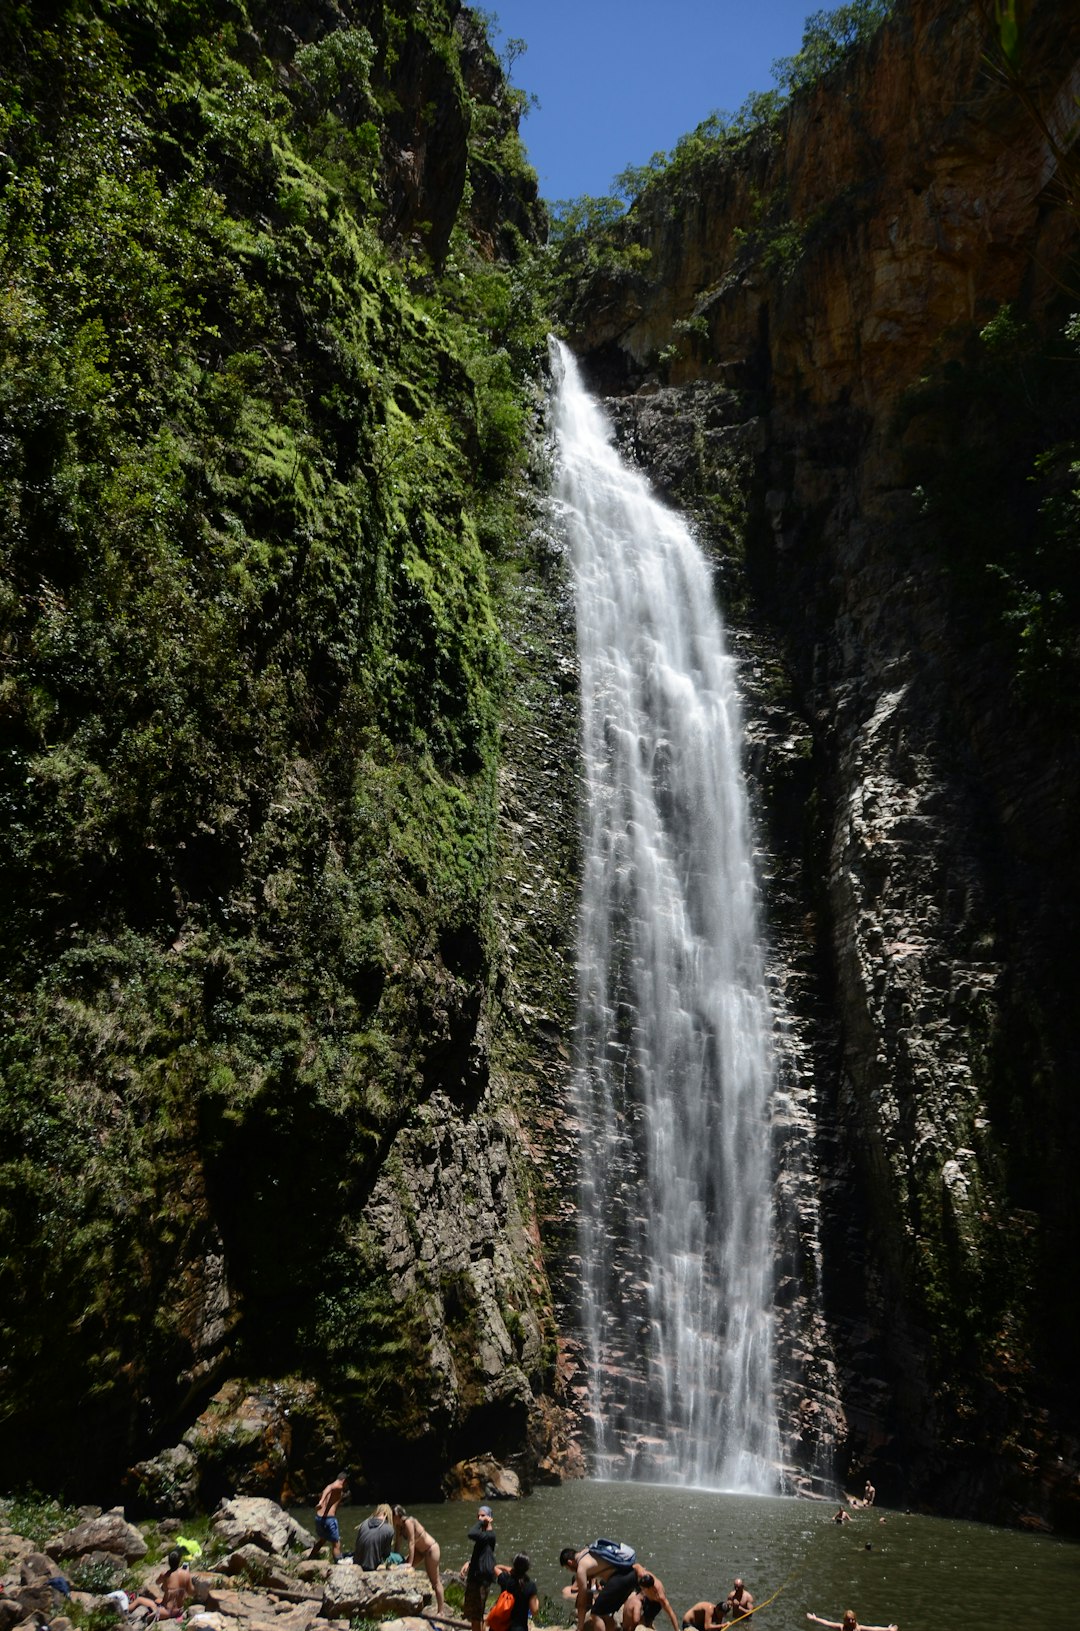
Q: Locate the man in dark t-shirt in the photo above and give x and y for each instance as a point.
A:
(479, 1572)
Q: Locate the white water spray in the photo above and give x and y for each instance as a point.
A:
(674, 1068)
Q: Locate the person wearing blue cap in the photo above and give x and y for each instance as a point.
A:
(479, 1572)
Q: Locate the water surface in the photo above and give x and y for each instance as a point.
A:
(926, 1574)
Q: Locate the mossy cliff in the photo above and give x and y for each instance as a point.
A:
(268, 338)
(853, 313)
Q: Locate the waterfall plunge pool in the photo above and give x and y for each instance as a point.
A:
(924, 1574)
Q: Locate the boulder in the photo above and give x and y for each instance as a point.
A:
(35, 1599)
(254, 1519)
(168, 1481)
(35, 1566)
(312, 1568)
(11, 1612)
(110, 1563)
(262, 1568)
(481, 1479)
(205, 1621)
(111, 1532)
(351, 1593)
(206, 1584)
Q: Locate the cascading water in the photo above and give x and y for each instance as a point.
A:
(674, 1069)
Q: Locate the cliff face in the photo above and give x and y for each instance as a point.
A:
(849, 318)
(268, 341)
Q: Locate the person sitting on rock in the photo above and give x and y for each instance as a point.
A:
(374, 1539)
(176, 1590)
(416, 1546)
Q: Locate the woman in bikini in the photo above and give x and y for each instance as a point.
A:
(414, 1543)
(176, 1591)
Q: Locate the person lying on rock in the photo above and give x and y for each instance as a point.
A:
(176, 1590)
(416, 1546)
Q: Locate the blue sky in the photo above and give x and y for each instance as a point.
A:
(619, 79)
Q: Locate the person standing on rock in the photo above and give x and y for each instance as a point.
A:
(416, 1546)
(516, 1581)
(479, 1572)
(374, 1539)
(326, 1523)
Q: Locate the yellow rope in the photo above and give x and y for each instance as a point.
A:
(746, 1615)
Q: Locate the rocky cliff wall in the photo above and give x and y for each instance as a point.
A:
(269, 343)
(796, 315)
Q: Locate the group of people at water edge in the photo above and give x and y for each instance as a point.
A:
(611, 1590)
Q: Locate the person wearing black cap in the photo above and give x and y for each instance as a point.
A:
(479, 1572)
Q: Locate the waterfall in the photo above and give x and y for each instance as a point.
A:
(674, 1068)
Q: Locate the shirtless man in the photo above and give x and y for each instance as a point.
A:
(738, 1602)
(176, 1591)
(616, 1587)
(645, 1605)
(416, 1546)
(704, 1617)
(326, 1523)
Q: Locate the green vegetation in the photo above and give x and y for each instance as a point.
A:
(36, 1517)
(1007, 526)
(262, 402)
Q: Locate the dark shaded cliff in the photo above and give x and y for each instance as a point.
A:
(268, 343)
(856, 319)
